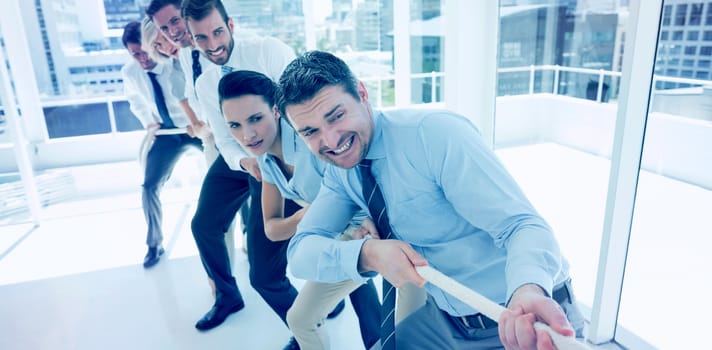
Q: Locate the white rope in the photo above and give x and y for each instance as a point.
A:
(490, 308)
(173, 131)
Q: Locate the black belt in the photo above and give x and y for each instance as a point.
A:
(480, 321)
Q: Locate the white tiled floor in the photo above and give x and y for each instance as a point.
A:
(75, 282)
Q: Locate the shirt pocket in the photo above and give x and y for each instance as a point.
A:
(426, 219)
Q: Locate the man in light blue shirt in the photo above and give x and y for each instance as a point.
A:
(451, 205)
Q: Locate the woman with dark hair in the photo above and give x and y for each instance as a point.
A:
(291, 171)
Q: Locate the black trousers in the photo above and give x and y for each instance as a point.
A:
(223, 193)
(160, 161)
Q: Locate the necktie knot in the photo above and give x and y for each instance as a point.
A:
(226, 70)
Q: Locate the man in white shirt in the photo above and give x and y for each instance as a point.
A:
(154, 92)
(166, 15)
(234, 175)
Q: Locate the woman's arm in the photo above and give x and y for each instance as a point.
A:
(277, 227)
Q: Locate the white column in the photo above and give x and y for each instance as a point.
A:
(636, 84)
(472, 32)
(18, 54)
(17, 137)
(401, 52)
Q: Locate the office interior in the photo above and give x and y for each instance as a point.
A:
(599, 109)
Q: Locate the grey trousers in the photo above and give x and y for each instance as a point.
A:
(161, 158)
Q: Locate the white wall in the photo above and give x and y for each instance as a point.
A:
(677, 147)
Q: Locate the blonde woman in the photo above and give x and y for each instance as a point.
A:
(164, 51)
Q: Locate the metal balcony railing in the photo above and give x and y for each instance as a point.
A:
(108, 115)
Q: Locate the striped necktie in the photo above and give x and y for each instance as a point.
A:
(377, 208)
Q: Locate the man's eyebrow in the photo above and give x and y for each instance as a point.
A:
(326, 115)
(306, 128)
(329, 113)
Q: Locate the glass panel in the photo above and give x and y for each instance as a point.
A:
(430, 89)
(4, 134)
(360, 33)
(381, 92)
(280, 19)
(77, 120)
(667, 269)
(426, 50)
(125, 120)
(558, 82)
(13, 202)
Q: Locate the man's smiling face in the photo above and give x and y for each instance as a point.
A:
(336, 126)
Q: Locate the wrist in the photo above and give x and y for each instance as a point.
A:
(364, 257)
(530, 288)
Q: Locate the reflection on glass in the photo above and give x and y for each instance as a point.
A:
(558, 81)
(4, 134)
(667, 278)
(77, 120)
(125, 120)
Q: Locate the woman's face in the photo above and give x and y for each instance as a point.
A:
(252, 122)
(164, 46)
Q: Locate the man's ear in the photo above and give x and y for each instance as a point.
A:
(362, 91)
(230, 25)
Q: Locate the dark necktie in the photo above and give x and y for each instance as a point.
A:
(377, 208)
(167, 122)
(197, 69)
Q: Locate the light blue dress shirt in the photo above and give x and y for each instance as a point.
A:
(449, 197)
(308, 169)
(305, 183)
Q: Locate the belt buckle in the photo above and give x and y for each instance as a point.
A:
(478, 317)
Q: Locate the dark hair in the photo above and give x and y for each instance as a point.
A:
(246, 82)
(132, 34)
(309, 73)
(199, 9)
(157, 5)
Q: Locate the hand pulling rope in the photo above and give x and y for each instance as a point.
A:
(488, 307)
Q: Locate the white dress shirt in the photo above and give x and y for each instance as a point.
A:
(265, 55)
(186, 62)
(139, 92)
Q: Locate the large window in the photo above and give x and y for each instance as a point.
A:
(668, 254)
(558, 73)
(555, 131)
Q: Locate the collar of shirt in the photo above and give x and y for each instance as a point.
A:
(158, 69)
(376, 148)
(291, 144)
(234, 61)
